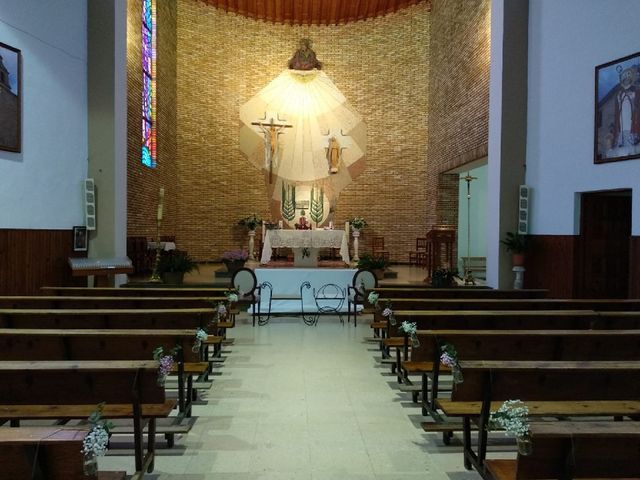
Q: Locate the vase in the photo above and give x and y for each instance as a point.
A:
(233, 265)
(517, 259)
(90, 464)
(525, 444)
(457, 374)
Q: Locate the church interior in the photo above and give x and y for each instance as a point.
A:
(299, 140)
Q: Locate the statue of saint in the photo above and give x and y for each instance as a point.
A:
(627, 109)
(333, 155)
(305, 57)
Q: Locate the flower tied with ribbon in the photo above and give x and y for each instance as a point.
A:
(513, 417)
(387, 312)
(449, 358)
(410, 329)
(96, 443)
(232, 296)
(201, 336)
(165, 363)
(373, 298)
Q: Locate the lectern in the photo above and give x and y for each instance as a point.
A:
(100, 268)
(440, 241)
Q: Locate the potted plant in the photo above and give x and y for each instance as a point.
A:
(234, 259)
(518, 245)
(376, 264)
(357, 223)
(443, 278)
(251, 222)
(174, 264)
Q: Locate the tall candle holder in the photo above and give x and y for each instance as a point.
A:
(155, 275)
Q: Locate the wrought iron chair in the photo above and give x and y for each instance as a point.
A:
(363, 280)
(244, 280)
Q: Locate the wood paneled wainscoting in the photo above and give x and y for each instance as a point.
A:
(550, 264)
(634, 268)
(30, 259)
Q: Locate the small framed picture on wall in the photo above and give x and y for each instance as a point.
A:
(617, 115)
(10, 101)
(80, 239)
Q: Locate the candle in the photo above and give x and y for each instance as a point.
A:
(346, 228)
(161, 203)
(279, 223)
(263, 230)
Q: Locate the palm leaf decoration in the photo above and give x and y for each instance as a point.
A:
(317, 205)
(288, 202)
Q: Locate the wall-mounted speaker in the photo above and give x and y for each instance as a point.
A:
(524, 197)
(90, 204)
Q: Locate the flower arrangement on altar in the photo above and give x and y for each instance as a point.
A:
(165, 363)
(410, 329)
(201, 336)
(96, 442)
(449, 358)
(239, 254)
(251, 222)
(358, 223)
(513, 417)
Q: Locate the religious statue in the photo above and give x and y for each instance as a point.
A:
(626, 129)
(333, 155)
(305, 57)
(270, 133)
(302, 224)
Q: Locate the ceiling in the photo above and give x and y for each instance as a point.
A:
(312, 12)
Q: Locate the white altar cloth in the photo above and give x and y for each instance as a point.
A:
(286, 282)
(305, 239)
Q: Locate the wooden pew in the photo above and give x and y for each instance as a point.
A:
(388, 291)
(109, 302)
(135, 292)
(45, 452)
(557, 345)
(64, 390)
(106, 344)
(575, 450)
(107, 318)
(549, 389)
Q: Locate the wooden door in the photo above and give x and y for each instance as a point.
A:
(603, 245)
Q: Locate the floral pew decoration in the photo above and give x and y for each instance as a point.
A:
(232, 297)
(201, 336)
(96, 443)
(513, 417)
(166, 362)
(410, 329)
(373, 298)
(388, 313)
(449, 358)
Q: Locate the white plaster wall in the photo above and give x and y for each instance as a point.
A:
(567, 39)
(41, 186)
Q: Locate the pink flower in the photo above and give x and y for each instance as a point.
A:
(387, 312)
(447, 360)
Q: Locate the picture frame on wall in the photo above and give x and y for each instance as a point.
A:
(10, 98)
(617, 110)
(80, 239)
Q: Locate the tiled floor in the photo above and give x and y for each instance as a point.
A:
(299, 402)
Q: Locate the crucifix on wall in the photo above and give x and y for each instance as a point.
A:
(270, 131)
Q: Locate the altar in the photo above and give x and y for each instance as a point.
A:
(305, 244)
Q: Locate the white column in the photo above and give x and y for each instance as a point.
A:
(252, 234)
(356, 236)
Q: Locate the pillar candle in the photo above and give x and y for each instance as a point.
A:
(279, 223)
(263, 230)
(346, 228)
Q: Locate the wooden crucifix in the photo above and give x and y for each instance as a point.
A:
(271, 131)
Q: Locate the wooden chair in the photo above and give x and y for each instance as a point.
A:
(419, 256)
(377, 248)
(363, 281)
(245, 282)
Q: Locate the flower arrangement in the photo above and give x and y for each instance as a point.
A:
(221, 311)
(388, 313)
(165, 363)
(251, 222)
(232, 296)
(358, 223)
(373, 298)
(449, 358)
(201, 336)
(96, 442)
(410, 329)
(513, 417)
(239, 254)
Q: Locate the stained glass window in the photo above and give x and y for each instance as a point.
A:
(148, 83)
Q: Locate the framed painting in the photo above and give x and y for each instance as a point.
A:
(617, 112)
(10, 101)
(79, 239)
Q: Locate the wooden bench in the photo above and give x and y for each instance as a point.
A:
(64, 390)
(45, 452)
(135, 292)
(108, 344)
(549, 389)
(388, 291)
(108, 302)
(575, 450)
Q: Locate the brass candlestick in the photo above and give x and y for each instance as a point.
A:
(155, 276)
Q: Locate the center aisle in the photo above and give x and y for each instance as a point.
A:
(298, 402)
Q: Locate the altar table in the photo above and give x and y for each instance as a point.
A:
(309, 240)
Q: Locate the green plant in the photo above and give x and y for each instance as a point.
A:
(358, 223)
(176, 261)
(372, 263)
(251, 222)
(516, 243)
(443, 277)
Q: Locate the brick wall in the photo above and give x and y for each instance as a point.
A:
(381, 66)
(459, 98)
(143, 183)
